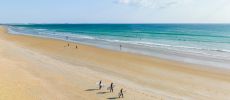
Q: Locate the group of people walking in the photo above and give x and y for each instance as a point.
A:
(68, 45)
(110, 88)
(100, 85)
(67, 38)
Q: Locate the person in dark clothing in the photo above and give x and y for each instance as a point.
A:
(121, 93)
(100, 85)
(111, 87)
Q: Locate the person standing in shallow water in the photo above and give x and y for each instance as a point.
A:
(67, 37)
(120, 47)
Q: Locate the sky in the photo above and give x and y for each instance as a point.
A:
(114, 11)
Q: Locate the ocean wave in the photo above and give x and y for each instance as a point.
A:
(183, 47)
(151, 44)
(45, 33)
(41, 29)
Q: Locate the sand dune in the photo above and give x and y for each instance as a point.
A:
(34, 68)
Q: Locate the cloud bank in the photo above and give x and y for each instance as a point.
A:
(152, 3)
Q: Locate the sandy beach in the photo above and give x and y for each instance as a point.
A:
(34, 68)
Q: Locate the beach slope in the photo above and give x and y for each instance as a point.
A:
(35, 68)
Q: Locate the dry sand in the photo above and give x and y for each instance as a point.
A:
(33, 68)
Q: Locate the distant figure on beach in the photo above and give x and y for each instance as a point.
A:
(121, 93)
(111, 87)
(100, 85)
(68, 44)
(67, 37)
(76, 46)
(120, 47)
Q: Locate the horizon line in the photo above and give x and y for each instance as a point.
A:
(111, 23)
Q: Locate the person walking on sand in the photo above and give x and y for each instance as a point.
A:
(68, 44)
(121, 93)
(111, 87)
(76, 46)
(100, 85)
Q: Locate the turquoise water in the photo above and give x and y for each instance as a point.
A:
(205, 40)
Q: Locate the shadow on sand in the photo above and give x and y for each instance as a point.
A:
(113, 98)
(102, 92)
(91, 89)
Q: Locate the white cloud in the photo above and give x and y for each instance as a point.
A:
(153, 3)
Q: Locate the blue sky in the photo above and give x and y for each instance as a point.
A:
(114, 11)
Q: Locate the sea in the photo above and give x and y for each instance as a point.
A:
(202, 44)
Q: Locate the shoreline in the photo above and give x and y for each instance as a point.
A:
(165, 53)
(159, 78)
(156, 56)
